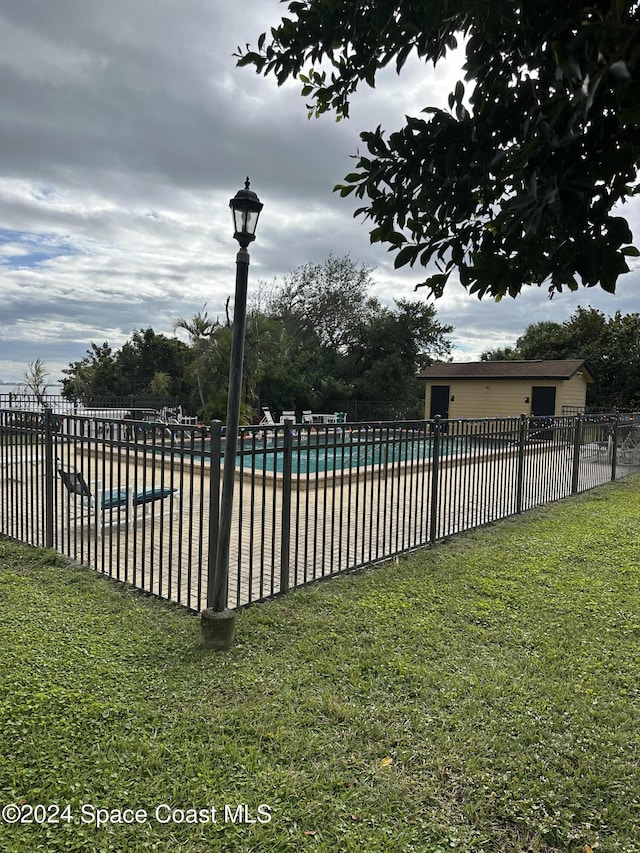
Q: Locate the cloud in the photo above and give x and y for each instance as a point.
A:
(125, 130)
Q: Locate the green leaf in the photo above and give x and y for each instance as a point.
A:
(396, 238)
(406, 256)
(545, 154)
(619, 70)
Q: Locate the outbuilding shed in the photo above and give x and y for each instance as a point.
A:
(485, 389)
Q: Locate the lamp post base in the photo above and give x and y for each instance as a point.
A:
(217, 629)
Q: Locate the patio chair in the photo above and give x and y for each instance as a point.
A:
(105, 507)
(267, 417)
(629, 449)
(288, 416)
(307, 416)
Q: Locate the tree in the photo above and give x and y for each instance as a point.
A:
(145, 364)
(583, 335)
(392, 347)
(210, 342)
(545, 339)
(95, 375)
(36, 379)
(515, 183)
(324, 302)
(268, 357)
(337, 343)
(619, 363)
(500, 354)
(147, 354)
(160, 385)
(200, 329)
(319, 308)
(610, 346)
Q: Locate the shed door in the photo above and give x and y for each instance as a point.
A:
(543, 400)
(439, 401)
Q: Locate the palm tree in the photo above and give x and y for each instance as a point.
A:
(200, 329)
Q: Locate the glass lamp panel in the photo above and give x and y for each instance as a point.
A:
(237, 218)
(245, 220)
(251, 220)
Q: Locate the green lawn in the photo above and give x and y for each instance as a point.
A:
(480, 696)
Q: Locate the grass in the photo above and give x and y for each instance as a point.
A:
(479, 696)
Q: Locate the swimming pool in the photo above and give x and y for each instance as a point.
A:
(348, 453)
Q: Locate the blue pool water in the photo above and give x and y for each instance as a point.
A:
(314, 454)
(318, 458)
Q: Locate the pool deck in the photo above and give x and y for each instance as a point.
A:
(342, 523)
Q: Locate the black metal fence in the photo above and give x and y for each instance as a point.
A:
(27, 400)
(376, 410)
(139, 501)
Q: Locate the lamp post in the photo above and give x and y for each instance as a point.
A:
(218, 622)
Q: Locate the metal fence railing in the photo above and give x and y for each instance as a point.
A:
(27, 400)
(375, 410)
(139, 501)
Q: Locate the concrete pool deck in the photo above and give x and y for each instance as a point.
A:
(341, 523)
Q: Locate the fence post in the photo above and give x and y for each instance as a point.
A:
(48, 478)
(577, 440)
(614, 447)
(214, 504)
(435, 478)
(285, 533)
(522, 438)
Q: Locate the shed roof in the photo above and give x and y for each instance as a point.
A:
(539, 369)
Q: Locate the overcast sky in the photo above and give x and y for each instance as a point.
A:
(125, 128)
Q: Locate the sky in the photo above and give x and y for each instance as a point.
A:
(126, 128)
